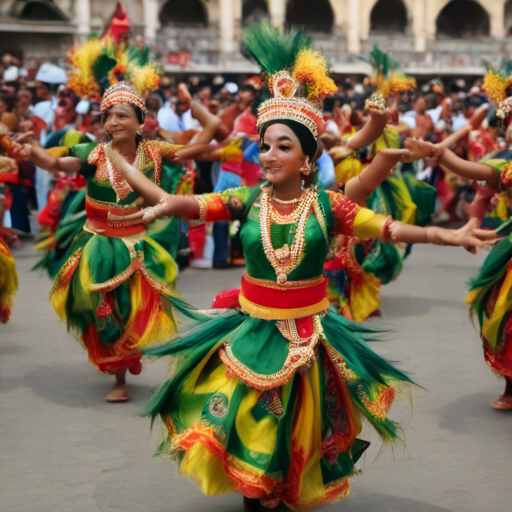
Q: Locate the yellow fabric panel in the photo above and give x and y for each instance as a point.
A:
(162, 256)
(217, 380)
(207, 470)
(257, 436)
(307, 433)
(364, 297)
(348, 168)
(491, 326)
(58, 151)
(368, 224)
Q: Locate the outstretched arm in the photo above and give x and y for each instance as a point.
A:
(208, 121)
(468, 235)
(465, 169)
(359, 188)
(371, 131)
(474, 123)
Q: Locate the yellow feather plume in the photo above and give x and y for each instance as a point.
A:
(311, 70)
(81, 79)
(145, 79)
(495, 85)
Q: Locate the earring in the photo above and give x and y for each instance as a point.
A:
(139, 131)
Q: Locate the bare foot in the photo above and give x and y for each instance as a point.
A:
(502, 403)
(118, 394)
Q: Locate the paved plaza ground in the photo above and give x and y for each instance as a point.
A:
(63, 449)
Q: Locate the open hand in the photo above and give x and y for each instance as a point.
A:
(469, 236)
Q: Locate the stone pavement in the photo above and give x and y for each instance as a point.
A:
(62, 448)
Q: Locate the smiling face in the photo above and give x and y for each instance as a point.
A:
(281, 155)
(122, 123)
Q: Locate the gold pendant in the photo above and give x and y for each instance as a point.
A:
(283, 254)
(282, 278)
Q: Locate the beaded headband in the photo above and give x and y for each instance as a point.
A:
(285, 105)
(121, 93)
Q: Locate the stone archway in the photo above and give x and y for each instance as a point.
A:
(314, 17)
(254, 11)
(184, 13)
(388, 16)
(462, 19)
(41, 10)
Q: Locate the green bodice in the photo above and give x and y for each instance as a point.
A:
(99, 188)
(312, 259)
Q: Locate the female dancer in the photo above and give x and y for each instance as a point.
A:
(489, 295)
(115, 287)
(265, 400)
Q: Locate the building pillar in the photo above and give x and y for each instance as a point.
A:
(227, 27)
(431, 13)
(277, 11)
(496, 11)
(83, 19)
(353, 27)
(151, 21)
(418, 26)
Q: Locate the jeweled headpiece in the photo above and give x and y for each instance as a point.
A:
(121, 93)
(297, 76)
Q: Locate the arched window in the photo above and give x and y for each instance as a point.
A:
(254, 11)
(313, 15)
(40, 10)
(462, 18)
(184, 12)
(388, 16)
(508, 18)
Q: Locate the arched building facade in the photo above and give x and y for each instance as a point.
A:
(419, 32)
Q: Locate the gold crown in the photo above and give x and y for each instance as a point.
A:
(285, 105)
(121, 93)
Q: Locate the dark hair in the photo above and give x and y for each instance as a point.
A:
(141, 117)
(309, 144)
(248, 88)
(9, 100)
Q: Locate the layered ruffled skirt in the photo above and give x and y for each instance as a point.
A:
(247, 410)
(117, 294)
(490, 298)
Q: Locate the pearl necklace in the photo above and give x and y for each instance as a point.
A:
(290, 201)
(285, 259)
(119, 184)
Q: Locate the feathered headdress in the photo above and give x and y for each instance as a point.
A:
(498, 86)
(297, 75)
(98, 64)
(387, 76)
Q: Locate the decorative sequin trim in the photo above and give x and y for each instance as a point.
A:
(301, 356)
(66, 272)
(346, 373)
(203, 206)
(305, 283)
(267, 313)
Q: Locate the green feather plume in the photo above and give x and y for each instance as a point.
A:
(273, 48)
(381, 61)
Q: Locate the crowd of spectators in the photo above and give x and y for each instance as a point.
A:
(39, 101)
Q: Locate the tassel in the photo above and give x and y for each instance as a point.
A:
(103, 310)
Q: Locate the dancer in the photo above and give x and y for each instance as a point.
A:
(265, 399)
(116, 285)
